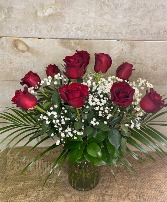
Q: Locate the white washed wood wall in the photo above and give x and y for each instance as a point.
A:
(36, 33)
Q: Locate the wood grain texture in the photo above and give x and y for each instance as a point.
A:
(18, 56)
(98, 19)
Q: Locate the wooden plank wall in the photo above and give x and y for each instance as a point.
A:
(36, 33)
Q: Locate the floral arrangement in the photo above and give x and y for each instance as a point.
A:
(93, 118)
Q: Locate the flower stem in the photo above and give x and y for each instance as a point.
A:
(78, 113)
(43, 92)
(40, 109)
(115, 109)
(98, 77)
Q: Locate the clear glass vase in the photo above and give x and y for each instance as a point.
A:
(83, 176)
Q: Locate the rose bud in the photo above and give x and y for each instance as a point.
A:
(31, 79)
(75, 65)
(24, 99)
(74, 94)
(122, 94)
(152, 102)
(124, 71)
(52, 70)
(102, 62)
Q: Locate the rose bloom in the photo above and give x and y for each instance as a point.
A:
(85, 56)
(152, 102)
(24, 99)
(31, 79)
(124, 71)
(75, 65)
(52, 70)
(122, 94)
(102, 62)
(75, 94)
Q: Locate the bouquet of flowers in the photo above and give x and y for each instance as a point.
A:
(95, 119)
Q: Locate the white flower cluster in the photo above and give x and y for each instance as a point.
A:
(139, 86)
(32, 91)
(47, 81)
(142, 83)
(61, 124)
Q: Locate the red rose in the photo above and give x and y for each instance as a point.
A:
(124, 71)
(75, 66)
(75, 94)
(24, 99)
(152, 102)
(102, 62)
(31, 79)
(52, 70)
(85, 55)
(122, 94)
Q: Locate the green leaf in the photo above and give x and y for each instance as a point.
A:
(144, 141)
(88, 130)
(101, 135)
(24, 130)
(127, 165)
(124, 128)
(46, 104)
(8, 128)
(117, 120)
(78, 125)
(48, 88)
(110, 148)
(39, 156)
(37, 134)
(14, 132)
(94, 160)
(150, 139)
(73, 144)
(23, 115)
(90, 116)
(114, 137)
(21, 139)
(56, 98)
(61, 158)
(155, 134)
(30, 140)
(123, 146)
(158, 124)
(125, 134)
(44, 127)
(156, 116)
(102, 126)
(32, 148)
(75, 154)
(139, 147)
(94, 150)
(133, 154)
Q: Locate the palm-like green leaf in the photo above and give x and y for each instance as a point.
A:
(159, 137)
(19, 123)
(38, 143)
(24, 116)
(134, 154)
(39, 156)
(136, 145)
(60, 159)
(156, 115)
(30, 134)
(153, 141)
(30, 140)
(142, 137)
(124, 162)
